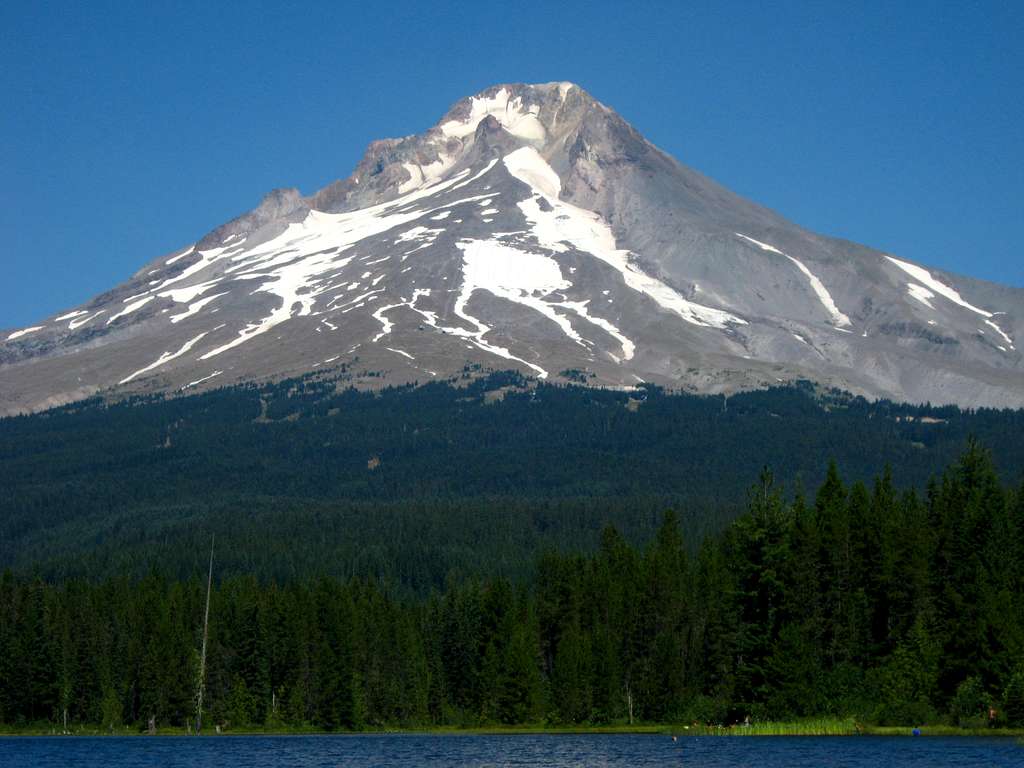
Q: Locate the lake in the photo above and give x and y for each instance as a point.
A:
(473, 751)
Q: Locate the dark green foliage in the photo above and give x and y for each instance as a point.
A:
(412, 485)
(894, 608)
(1013, 698)
(971, 703)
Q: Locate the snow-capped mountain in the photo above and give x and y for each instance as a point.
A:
(531, 228)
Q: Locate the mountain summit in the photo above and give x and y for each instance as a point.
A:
(531, 228)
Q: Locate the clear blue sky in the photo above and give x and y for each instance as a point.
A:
(128, 132)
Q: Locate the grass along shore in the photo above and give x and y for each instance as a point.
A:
(810, 727)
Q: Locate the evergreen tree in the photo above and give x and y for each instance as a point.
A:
(571, 677)
(756, 548)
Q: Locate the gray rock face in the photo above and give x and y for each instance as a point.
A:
(531, 228)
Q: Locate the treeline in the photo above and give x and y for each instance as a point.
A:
(415, 484)
(892, 606)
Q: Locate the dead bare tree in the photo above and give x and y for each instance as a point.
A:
(201, 683)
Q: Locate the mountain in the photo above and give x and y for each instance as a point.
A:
(533, 229)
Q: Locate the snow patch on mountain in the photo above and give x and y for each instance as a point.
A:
(187, 294)
(518, 276)
(477, 336)
(580, 308)
(519, 120)
(588, 232)
(922, 294)
(200, 381)
(78, 323)
(196, 306)
(1002, 333)
(71, 315)
(131, 308)
(529, 278)
(838, 318)
(387, 324)
(181, 255)
(422, 175)
(25, 332)
(759, 244)
(206, 258)
(924, 276)
(166, 357)
(301, 263)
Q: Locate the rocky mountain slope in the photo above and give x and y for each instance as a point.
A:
(531, 228)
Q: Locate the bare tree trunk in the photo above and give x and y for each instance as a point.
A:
(202, 655)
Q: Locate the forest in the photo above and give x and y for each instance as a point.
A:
(866, 598)
(420, 485)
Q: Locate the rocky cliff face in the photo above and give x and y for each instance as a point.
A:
(531, 228)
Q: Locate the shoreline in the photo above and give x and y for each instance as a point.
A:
(838, 729)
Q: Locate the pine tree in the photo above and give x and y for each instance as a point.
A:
(756, 548)
(35, 683)
(965, 504)
(336, 695)
(571, 677)
(520, 688)
(9, 704)
(714, 629)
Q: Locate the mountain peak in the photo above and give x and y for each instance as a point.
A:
(539, 115)
(527, 111)
(528, 91)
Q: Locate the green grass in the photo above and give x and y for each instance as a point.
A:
(942, 730)
(840, 727)
(810, 727)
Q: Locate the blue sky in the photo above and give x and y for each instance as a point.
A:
(127, 132)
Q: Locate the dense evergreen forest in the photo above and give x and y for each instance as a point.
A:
(893, 606)
(417, 485)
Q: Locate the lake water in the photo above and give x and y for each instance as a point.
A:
(589, 751)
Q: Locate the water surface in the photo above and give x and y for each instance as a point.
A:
(473, 751)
